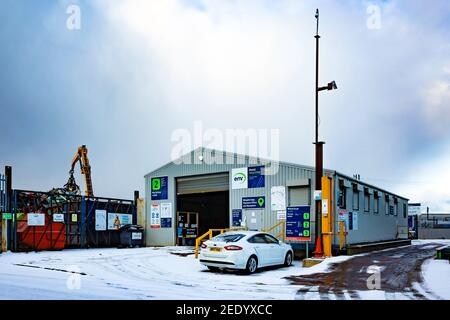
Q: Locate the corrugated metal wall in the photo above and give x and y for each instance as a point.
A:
(372, 226)
(287, 175)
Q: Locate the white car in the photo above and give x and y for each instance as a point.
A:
(245, 250)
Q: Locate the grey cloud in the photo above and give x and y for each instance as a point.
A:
(122, 89)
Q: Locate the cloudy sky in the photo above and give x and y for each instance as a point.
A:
(138, 71)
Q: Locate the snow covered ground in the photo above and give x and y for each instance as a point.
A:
(145, 273)
(436, 274)
(155, 273)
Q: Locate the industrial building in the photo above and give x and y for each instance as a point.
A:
(432, 226)
(210, 189)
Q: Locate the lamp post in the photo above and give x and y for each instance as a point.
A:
(318, 252)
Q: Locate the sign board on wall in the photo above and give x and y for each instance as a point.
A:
(343, 215)
(239, 178)
(166, 222)
(58, 217)
(117, 220)
(36, 219)
(355, 220)
(100, 220)
(281, 215)
(155, 215)
(298, 223)
(166, 210)
(256, 178)
(159, 188)
(236, 217)
(253, 202)
(278, 198)
(414, 209)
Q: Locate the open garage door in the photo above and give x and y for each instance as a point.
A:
(209, 197)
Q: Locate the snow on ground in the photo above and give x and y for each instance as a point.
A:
(165, 273)
(144, 273)
(436, 274)
(441, 241)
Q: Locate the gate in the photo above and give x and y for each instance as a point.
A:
(106, 236)
(54, 221)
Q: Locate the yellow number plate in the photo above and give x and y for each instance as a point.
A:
(216, 249)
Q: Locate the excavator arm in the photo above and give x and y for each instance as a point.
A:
(80, 157)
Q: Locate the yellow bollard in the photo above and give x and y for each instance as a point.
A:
(327, 216)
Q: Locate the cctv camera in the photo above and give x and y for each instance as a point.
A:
(332, 85)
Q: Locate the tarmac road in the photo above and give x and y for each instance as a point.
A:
(400, 274)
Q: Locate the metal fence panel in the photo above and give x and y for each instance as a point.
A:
(69, 220)
(108, 237)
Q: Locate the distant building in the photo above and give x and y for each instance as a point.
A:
(433, 226)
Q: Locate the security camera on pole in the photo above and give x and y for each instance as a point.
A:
(318, 252)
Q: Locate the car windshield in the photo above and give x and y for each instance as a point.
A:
(228, 237)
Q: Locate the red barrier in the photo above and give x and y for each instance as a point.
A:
(52, 236)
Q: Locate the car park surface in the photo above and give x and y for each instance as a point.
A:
(174, 273)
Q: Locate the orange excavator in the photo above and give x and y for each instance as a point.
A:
(80, 157)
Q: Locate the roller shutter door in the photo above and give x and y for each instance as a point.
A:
(203, 184)
(299, 196)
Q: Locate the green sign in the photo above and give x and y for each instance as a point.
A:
(159, 188)
(156, 184)
(261, 201)
(253, 202)
(7, 216)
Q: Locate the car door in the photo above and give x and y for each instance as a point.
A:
(263, 249)
(276, 250)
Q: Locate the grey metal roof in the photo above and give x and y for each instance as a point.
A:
(281, 163)
(232, 154)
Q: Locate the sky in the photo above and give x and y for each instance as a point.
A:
(137, 71)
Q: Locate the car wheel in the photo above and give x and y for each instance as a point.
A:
(213, 268)
(252, 265)
(288, 259)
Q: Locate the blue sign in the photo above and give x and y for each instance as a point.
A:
(350, 221)
(298, 223)
(256, 178)
(166, 222)
(159, 188)
(236, 217)
(253, 203)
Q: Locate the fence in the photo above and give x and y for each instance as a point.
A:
(52, 221)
